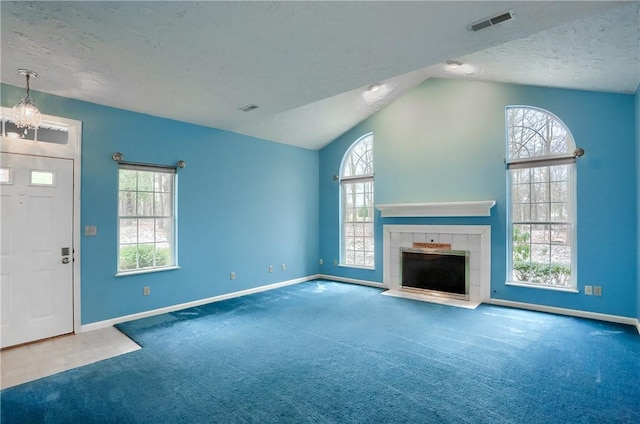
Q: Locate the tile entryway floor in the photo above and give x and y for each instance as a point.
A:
(36, 360)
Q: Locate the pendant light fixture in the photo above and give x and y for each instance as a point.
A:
(25, 114)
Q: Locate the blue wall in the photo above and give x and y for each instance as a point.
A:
(445, 141)
(637, 97)
(243, 204)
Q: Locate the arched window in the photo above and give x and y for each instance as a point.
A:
(356, 204)
(541, 156)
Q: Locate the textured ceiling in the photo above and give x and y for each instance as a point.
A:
(304, 63)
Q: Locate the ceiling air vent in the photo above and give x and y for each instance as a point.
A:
(494, 20)
(248, 108)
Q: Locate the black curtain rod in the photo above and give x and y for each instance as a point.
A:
(119, 157)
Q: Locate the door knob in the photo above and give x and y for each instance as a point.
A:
(65, 260)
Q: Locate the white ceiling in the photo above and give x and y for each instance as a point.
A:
(305, 63)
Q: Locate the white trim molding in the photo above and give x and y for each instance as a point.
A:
(570, 312)
(560, 311)
(113, 321)
(437, 209)
(71, 150)
(352, 281)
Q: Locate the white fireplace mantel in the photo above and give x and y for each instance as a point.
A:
(436, 209)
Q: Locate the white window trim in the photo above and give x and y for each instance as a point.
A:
(545, 161)
(540, 286)
(174, 243)
(351, 180)
(146, 270)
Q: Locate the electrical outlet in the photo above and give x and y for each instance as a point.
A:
(588, 290)
(232, 276)
(270, 268)
(597, 290)
(146, 290)
(284, 267)
(335, 262)
(320, 261)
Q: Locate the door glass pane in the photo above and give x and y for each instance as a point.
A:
(42, 178)
(6, 176)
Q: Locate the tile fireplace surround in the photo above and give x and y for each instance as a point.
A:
(474, 238)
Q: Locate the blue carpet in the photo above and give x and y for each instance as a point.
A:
(325, 352)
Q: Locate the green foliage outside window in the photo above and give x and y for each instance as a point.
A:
(363, 213)
(143, 256)
(527, 271)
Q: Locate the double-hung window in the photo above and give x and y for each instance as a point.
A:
(146, 218)
(542, 195)
(356, 204)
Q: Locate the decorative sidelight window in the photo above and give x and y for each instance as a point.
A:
(146, 218)
(356, 204)
(541, 175)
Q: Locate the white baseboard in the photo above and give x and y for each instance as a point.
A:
(511, 304)
(111, 322)
(570, 312)
(352, 281)
(541, 308)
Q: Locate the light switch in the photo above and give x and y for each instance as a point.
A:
(90, 230)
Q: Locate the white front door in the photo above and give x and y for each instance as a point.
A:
(36, 252)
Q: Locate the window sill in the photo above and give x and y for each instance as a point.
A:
(146, 271)
(538, 286)
(372, 268)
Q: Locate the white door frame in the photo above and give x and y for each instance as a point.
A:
(71, 150)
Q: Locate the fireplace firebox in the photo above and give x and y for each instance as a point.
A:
(439, 272)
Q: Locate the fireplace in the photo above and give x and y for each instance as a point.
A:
(436, 272)
(475, 239)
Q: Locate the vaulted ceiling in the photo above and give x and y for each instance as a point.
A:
(306, 64)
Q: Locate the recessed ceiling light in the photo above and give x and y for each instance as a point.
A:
(374, 95)
(459, 68)
(453, 64)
